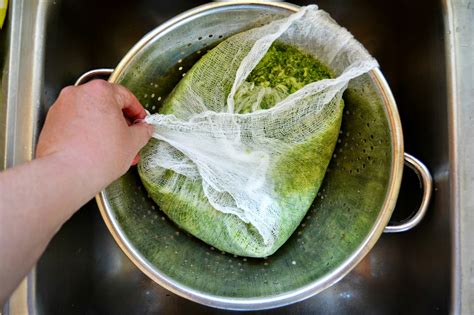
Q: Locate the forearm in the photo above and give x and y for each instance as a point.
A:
(87, 141)
(35, 200)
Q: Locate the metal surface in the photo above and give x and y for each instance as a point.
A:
(94, 74)
(426, 182)
(22, 40)
(83, 271)
(460, 56)
(21, 82)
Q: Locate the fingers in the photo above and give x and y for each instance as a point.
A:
(133, 112)
(130, 105)
(141, 134)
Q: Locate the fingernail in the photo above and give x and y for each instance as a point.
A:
(135, 160)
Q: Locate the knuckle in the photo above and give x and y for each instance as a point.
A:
(123, 95)
(52, 109)
(98, 85)
(67, 91)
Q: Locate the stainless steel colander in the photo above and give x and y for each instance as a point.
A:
(351, 211)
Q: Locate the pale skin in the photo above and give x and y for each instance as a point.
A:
(91, 136)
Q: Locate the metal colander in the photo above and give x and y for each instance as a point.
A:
(349, 214)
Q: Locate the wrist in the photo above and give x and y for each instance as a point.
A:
(82, 170)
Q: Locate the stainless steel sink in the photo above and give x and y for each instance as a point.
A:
(417, 44)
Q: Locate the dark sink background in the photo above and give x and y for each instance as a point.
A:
(405, 273)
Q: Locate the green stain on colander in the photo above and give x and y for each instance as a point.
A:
(343, 214)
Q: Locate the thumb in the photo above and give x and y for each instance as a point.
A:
(140, 134)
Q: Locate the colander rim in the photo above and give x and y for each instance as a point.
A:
(320, 284)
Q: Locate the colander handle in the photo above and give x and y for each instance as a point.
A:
(427, 184)
(93, 74)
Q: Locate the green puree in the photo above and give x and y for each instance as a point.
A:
(288, 68)
(297, 174)
(282, 71)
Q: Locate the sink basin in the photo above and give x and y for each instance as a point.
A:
(83, 271)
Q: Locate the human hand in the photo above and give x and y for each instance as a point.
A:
(91, 127)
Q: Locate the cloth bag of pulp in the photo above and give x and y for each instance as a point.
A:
(242, 143)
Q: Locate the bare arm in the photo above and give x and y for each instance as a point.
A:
(86, 143)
